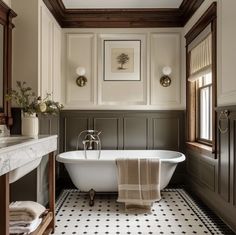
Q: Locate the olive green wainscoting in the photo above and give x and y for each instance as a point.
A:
(213, 179)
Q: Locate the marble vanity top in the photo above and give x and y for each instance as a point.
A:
(17, 153)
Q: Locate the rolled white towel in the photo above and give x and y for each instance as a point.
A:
(28, 228)
(25, 211)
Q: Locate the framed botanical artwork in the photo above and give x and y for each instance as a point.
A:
(122, 60)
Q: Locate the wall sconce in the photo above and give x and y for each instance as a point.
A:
(81, 80)
(165, 79)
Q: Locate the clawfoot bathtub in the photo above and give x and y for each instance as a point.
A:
(101, 175)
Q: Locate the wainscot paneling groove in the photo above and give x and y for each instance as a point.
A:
(126, 130)
(224, 164)
(233, 151)
(214, 180)
(110, 127)
(122, 18)
(135, 133)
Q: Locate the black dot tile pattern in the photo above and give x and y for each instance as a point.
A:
(177, 213)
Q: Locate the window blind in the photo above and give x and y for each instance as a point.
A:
(201, 59)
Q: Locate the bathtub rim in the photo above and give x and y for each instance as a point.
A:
(63, 157)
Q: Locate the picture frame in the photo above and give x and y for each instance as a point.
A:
(122, 60)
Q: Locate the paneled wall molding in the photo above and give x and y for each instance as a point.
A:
(224, 210)
(122, 18)
(159, 48)
(125, 129)
(202, 170)
(160, 95)
(220, 172)
(226, 84)
(122, 92)
(80, 52)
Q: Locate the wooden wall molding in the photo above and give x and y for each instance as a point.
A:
(125, 129)
(214, 180)
(209, 17)
(122, 18)
(188, 8)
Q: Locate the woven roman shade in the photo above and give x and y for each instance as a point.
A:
(201, 59)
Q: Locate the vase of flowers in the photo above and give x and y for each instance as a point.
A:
(31, 105)
(29, 124)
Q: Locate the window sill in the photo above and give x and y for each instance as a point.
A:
(200, 148)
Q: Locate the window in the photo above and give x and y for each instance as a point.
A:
(201, 82)
(204, 108)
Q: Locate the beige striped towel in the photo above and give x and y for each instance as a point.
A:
(138, 182)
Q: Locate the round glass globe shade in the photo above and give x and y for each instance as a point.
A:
(166, 70)
(80, 71)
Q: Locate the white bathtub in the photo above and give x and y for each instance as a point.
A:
(101, 175)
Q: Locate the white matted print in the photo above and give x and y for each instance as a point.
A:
(122, 59)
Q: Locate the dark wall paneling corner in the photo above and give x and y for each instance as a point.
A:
(126, 130)
(122, 18)
(214, 180)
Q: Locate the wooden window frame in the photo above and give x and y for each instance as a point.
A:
(198, 122)
(208, 18)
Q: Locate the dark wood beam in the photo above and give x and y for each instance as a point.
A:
(202, 23)
(188, 8)
(122, 18)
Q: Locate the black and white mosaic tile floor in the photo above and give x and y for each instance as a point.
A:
(177, 213)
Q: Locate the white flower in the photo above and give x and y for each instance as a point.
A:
(42, 107)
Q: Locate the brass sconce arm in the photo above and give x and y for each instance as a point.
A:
(81, 81)
(165, 80)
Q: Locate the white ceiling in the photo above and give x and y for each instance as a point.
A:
(88, 4)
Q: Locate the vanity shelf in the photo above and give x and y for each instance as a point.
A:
(9, 161)
(44, 226)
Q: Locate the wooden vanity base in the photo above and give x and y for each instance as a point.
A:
(48, 224)
(4, 204)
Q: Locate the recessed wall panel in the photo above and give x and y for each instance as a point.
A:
(233, 149)
(80, 52)
(126, 92)
(73, 126)
(165, 51)
(224, 167)
(166, 133)
(110, 131)
(135, 133)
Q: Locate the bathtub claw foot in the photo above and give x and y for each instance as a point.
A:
(91, 197)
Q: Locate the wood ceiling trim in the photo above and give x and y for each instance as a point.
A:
(122, 18)
(188, 8)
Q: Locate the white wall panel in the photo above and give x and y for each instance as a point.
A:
(45, 81)
(122, 92)
(226, 48)
(56, 80)
(84, 47)
(226, 53)
(80, 52)
(165, 51)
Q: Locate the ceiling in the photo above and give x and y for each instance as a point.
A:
(122, 13)
(98, 4)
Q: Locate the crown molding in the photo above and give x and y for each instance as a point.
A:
(122, 18)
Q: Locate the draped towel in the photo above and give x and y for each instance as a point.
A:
(138, 182)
